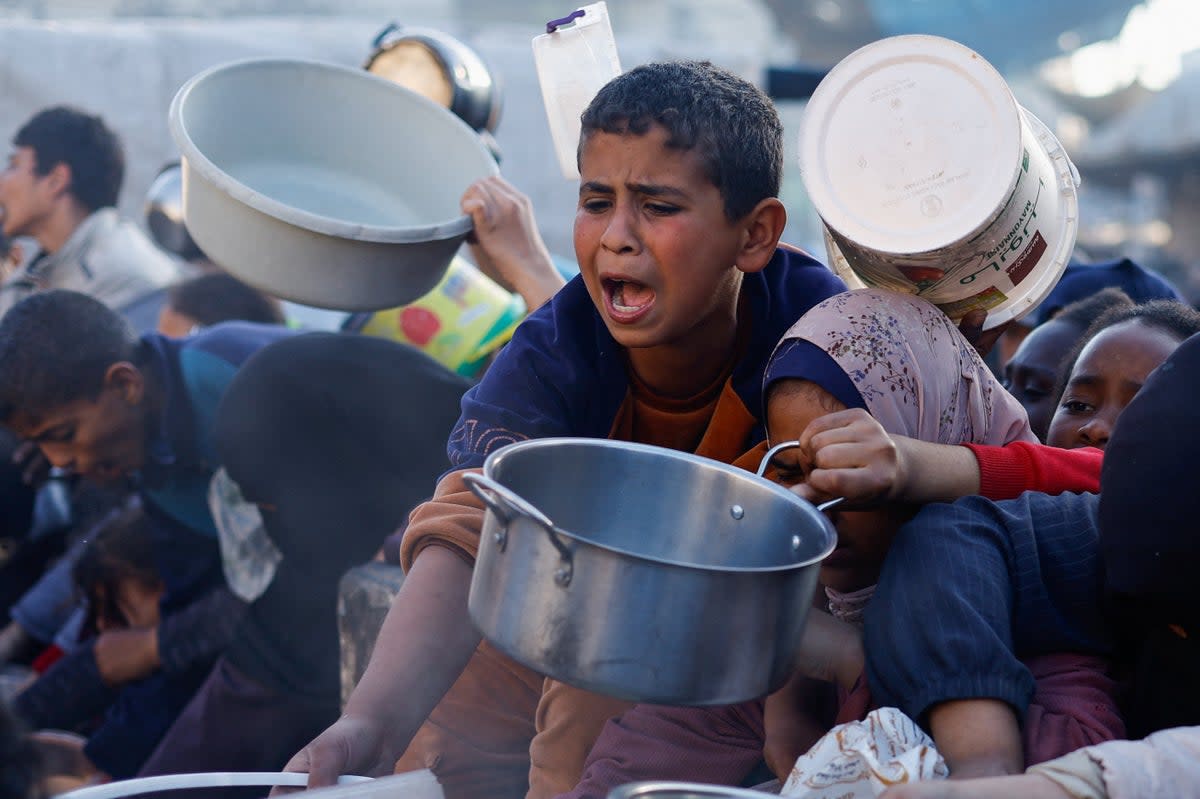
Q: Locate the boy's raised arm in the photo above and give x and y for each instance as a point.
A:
(425, 643)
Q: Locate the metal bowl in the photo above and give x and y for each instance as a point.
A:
(323, 184)
(681, 790)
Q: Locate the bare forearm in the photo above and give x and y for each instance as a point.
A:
(425, 643)
(978, 738)
(536, 287)
(935, 472)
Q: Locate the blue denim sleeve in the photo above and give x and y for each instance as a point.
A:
(970, 587)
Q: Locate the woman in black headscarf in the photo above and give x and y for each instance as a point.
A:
(326, 442)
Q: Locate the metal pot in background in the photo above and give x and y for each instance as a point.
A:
(642, 572)
(164, 214)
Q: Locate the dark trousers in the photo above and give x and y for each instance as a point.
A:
(235, 723)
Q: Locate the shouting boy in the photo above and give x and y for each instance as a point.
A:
(662, 339)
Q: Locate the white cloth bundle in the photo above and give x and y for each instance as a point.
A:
(863, 758)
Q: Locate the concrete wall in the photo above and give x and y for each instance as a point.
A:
(128, 69)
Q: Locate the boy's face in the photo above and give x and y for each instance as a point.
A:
(863, 536)
(1109, 372)
(102, 439)
(1032, 373)
(655, 249)
(25, 197)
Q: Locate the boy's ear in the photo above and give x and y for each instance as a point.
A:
(59, 178)
(761, 229)
(127, 380)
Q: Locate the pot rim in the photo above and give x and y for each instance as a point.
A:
(193, 159)
(497, 456)
(649, 789)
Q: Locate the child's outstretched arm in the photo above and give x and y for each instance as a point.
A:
(854, 457)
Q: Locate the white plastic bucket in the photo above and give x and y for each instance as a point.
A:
(931, 180)
(420, 784)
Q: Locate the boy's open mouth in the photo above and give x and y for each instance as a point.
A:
(627, 300)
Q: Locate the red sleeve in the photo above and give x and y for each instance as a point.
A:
(1009, 471)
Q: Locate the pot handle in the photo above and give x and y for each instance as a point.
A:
(766, 459)
(780, 447)
(506, 504)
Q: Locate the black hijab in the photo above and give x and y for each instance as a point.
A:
(1150, 541)
(336, 436)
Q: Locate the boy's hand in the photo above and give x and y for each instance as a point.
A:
(352, 745)
(505, 242)
(852, 457)
(126, 655)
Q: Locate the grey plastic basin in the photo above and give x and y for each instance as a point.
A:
(323, 184)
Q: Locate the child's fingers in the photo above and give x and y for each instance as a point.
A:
(831, 421)
(850, 434)
(842, 455)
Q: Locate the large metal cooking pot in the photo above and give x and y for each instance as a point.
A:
(642, 572)
(323, 184)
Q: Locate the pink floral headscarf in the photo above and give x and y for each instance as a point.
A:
(916, 373)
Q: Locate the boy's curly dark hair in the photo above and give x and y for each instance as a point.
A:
(63, 135)
(731, 122)
(55, 348)
(1082, 313)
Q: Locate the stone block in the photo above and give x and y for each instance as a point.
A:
(364, 596)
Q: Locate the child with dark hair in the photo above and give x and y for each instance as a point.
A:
(1110, 363)
(117, 576)
(117, 409)
(60, 188)
(1032, 374)
(213, 298)
(683, 292)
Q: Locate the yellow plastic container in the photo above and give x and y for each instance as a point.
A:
(460, 323)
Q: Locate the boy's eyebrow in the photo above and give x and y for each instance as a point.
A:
(655, 190)
(648, 189)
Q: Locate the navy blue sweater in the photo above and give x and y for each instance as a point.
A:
(970, 586)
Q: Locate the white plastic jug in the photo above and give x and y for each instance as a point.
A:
(574, 58)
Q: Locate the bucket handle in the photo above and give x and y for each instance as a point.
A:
(780, 447)
(508, 505)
